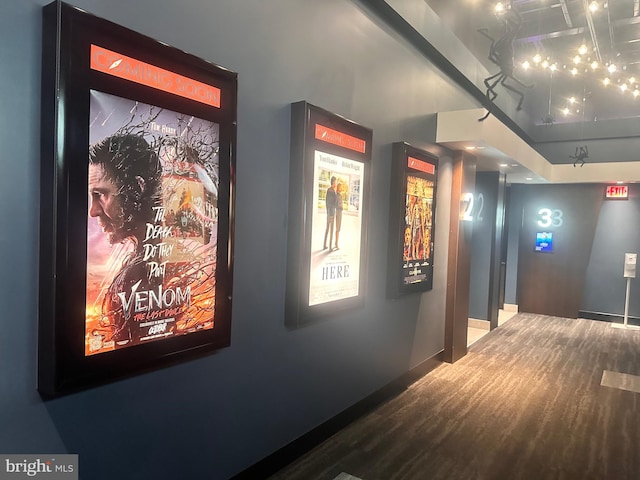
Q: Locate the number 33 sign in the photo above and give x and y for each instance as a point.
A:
(548, 217)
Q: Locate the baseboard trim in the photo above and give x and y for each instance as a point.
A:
(481, 324)
(510, 307)
(608, 317)
(289, 453)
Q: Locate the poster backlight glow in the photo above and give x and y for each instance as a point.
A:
(152, 224)
(336, 228)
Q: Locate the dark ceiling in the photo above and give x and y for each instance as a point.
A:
(556, 29)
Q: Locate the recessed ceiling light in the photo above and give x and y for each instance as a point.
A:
(593, 6)
(583, 49)
(504, 165)
(470, 148)
(529, 178)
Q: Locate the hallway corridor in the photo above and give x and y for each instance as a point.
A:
(529, 401)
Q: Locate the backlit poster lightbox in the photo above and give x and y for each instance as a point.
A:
(412, 220)
(329, 174)
(137, 185)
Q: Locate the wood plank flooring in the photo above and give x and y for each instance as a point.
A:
(525, 403)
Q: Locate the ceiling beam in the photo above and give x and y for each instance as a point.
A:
(577, 31)
(549, 35)
(592, 31)
(565, 12)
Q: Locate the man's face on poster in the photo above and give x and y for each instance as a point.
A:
(105, 204)
(407, 236)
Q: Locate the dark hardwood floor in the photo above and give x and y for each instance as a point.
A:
(525, 403)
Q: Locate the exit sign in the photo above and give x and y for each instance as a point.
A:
(617, 192)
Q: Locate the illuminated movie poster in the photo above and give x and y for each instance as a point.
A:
(336, 228)
(152, 225)
(418, 228)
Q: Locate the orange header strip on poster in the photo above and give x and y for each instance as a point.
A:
(421, 165)
(335, 137)
(121, 66)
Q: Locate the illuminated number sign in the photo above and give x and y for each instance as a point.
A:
(617, 192)
(471, 208)
(550, 217)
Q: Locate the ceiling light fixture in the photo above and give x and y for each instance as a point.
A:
(593, 7)
(583, 49)
(606, 81)
(577, 59)
(572, 100)
(623, 87)
(565, 110)
(545, 64)
(612, 68)
(526, 64)
(594, 65)
(636, 92)
(499, 7)
(574, 71)
(537, 58)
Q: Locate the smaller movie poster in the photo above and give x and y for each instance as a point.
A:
(544, 242)
(417, 230)
(336, 228)
(152, 224)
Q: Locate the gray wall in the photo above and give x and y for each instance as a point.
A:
(215, 416)
(514, 225)
(611, 229)
(482, 244)
(617, 233)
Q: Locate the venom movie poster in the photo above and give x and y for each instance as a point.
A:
(417, 230)
(336, 228)
(152, 224)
